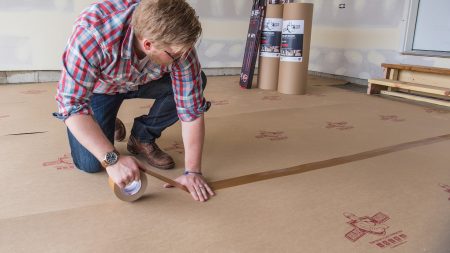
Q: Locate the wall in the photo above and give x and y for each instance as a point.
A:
(33, 34)
(354, 41)
(350, 42)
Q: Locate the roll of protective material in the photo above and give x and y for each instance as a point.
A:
(132, 191)
(295, 47)
(269, 57)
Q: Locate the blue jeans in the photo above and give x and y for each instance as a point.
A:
(146, 128)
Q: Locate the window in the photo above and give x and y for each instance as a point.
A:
(428, 28)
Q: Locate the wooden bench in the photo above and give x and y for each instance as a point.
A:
(425, 84)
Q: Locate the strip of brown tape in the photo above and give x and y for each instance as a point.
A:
(147, 170)
(226, 183)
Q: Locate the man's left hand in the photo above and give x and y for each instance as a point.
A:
(196, 185)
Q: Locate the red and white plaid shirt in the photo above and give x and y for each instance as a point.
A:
(99, 58)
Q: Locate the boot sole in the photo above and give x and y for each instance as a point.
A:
(123, 136)
(120, 139)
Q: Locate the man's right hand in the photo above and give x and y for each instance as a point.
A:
(125, 171)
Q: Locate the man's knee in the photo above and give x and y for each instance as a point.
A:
(89, 165)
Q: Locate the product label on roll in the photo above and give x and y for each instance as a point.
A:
(292, 40)
(271, 37)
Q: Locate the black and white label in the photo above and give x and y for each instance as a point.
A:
(271, 37)
(292, 40)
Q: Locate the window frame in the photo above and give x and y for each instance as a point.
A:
(412, 15)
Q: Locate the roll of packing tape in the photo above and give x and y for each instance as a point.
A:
(132, 191)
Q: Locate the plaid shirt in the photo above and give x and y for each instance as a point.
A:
(99, 59)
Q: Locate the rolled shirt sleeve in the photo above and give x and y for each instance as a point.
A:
(187, 86)
(81, 61)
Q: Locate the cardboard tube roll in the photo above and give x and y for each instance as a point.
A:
(295, 47)
(269, 57)
(131, 192)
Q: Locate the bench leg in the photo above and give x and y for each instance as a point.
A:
(375, 88)
(387, 73)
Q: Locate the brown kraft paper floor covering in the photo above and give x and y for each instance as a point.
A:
(396, 199)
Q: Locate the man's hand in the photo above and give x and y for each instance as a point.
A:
(196, 185)
(125, 171)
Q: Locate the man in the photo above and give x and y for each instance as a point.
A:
(120, 50)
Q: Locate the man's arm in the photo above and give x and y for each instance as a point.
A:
(82, 58)
(188, 89)
(90, 135)
(193, 137)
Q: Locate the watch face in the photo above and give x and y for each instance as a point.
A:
(111, 157)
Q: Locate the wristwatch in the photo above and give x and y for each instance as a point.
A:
(111, 158)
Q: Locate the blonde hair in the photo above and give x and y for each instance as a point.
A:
(167, 22)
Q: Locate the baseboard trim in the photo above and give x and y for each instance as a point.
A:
(349, 79)
(44, 76)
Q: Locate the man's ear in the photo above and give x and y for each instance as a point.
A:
(147, 45)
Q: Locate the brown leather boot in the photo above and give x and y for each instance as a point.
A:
(120, 132)
(153, 154)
